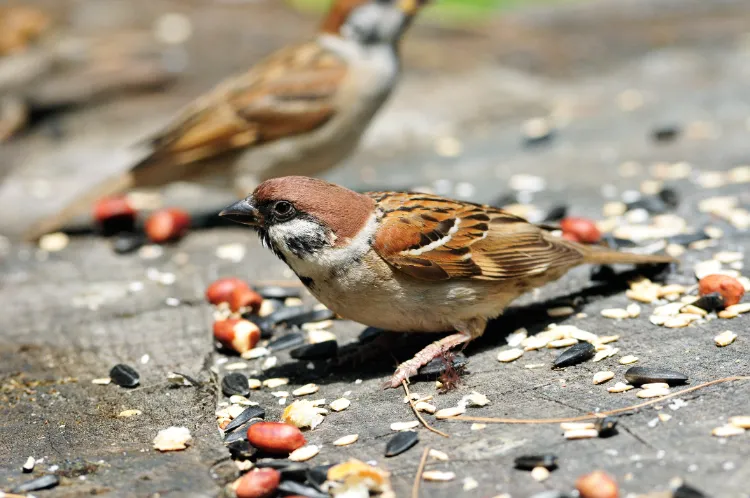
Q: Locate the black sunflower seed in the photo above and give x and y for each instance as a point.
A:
(235, 383)
(265, 325)
(310, 317)
(685, 239)
(665, 133)
(606, 426)
(45, 482)
(530, 462)
(278, 292)
(127, 242)
(401, 442)
(286, 341)
(247, 414)
(575, 354)
(117, 225)
(242, 449)
(318, 351)
(603, 273)
(284, 314)
(437, 366)
(646, 375)
(556, 213)
(710, 302)
(288, 488)
(670, 197)
(369, 334)
(124, 376)
(686, 491)
(294, 471)
(318, 474)
(241, 433)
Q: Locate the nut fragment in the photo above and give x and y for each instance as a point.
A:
(306, 389)
(173, 439)
(580, 230)
(730, 288)
(597, 485)
(220, 290)
(167, 224)
(303, 413)
(236, 334)
(259, 483)
(275, 437)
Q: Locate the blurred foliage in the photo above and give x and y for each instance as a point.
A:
(444, 10)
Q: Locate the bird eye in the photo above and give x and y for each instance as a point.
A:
(283, 209)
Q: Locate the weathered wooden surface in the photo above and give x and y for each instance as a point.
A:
(52, 343)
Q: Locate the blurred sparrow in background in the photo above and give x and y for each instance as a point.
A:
(300, 111)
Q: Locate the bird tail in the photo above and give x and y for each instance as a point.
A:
(602, 256)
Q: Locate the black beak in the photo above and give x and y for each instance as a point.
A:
(243, 212)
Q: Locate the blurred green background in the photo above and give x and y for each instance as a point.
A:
(447, 10)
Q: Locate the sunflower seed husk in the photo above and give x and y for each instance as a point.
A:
(124, 376)
(685, 491)
(530, 462)
(294, 488)
(710, 302)
(646, 375)
(575, 354)
(319, 351)
(606, 426)
(45, 482)
(235, 383)
(401, 442)
(286, 341)
(247, 414)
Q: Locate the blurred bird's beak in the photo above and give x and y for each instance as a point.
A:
(409, 7)
(243, 212)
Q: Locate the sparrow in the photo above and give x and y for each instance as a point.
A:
(410, 262)
(302, 110)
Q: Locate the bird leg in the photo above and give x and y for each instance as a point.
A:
(467, 331)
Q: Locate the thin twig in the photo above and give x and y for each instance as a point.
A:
(416, 412)
(420, 470)
(595, 415)
(11, 495)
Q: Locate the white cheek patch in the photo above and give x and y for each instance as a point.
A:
(297, 228)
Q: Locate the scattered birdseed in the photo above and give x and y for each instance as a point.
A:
(653, 393)
(602, 377)
(646, 375)
(235, 383)
(581, 434)
(254, 383)
(280, 394)
(275, 382)
(173, 439)
(306, 389)
(739, 308)
(620, 387)
(562, 343)
(608, 338)
(664, 417)
(725, 338)
(470, 484)
(516, 338)
(240, 365)
(129, 413)
(255, 353)
(540, 474)
(28, 466)
(574, 355)
(401, 442)
(605, 353)
(627, 360)
(693, 310)
(742, 421)
(583, 335)
(680, 321)
(340, 404)
(318, 336)
(532, 343)
(404, 426)
(727, 431)
(305, 453)
(241, 400)
(438, 475)
(124, 376)
(531, 366)
(302, 413)
(477, 427)
(346, 440)
(606, 427)
(576, 426)
(509, 355)
(423, 406)
(450, 412)
(615, 313)
(438, 455)
(231, 252)
(655, 385)
(560, 311)
(634, 311)
(103, 381)
(54, 242)
(474, 399)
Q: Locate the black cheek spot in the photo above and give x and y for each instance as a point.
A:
(307, 282)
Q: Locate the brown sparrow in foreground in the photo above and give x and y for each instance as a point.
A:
(410, 262)
(301, 110)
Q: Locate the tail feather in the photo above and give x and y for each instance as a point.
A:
(603, 256)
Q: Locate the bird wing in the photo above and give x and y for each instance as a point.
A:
(432, 238)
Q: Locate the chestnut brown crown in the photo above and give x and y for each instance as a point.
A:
(341, 11)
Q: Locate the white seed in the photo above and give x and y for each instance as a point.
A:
(129, 413)
(509, 355)
(664, 417)
(581, 434)
(318, 335)
(646, 295)
(727, 257)
(477, 427)
(54, 242)
(173, 439)
(560, 311)
(655, 385)
(280, 394)
(275, 382)
(534, 342)
(28, 466)
(254, 383)
(605, 353)
(652, 393)
(305, 453)
(306, 389)
(470, 484)
(727, 314)
(627, 360)
(241, 400)
(539, 474)
(516, 338)
(668, 290)
(615, 208)
(679, 321)
(438, 475)
(340, 404)
(693, 310)
(346, 440)
(531, 366)
(602, 377)
(742, 421)
(739, 308)
(423, 406)
(585, 336)
(620, 387)
(577, 426)
(725, 338)
(671, 309)
(239, 365)
(562, 343)
(438, 455)
(615, 313)
(554, 333)
(102, 381)
(450, 412)
(705, 268)
(255, 353)
(404, 426)
(608, 338)
(727, 431)
(634, 311)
